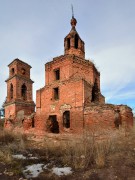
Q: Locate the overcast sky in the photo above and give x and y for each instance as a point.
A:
(34, 31)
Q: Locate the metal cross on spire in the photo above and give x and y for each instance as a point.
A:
(72, 11)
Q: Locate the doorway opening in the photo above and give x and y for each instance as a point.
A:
(52, 124)
(66, 119)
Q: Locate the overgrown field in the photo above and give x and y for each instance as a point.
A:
(108, 158)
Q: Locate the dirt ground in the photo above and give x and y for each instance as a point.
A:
(119, 161)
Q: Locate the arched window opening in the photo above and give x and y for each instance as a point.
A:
(66, 119)
(11, 91)
(12, 71)
(24, 92)
(68, 43)
(95, 92)
(76, 41)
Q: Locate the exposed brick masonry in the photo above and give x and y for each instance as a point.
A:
(70, 101)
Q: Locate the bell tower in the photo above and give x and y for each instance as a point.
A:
(73, 43)
(19, 89)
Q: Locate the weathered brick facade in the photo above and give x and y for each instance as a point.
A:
(72, 91)
(19, 90)
(71, 100)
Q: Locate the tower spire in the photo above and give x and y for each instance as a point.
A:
(72, 10)
(73, 20)
(72, 42)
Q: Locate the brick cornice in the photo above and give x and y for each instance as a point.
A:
(20, 77)
(20, 103)
(18, 60)
(74, 58)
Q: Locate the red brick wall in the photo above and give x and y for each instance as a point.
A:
(18, 66)
(19, 74)
(103, 116)
(17, 84)
(127, 115)
(70, 97)
(77, 77)
(12, 109)
(72, 67)
(80, 51)
(65, 66)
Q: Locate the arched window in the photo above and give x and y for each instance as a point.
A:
(68, 43)
(76, 41)
(24, 92)
(66, 119)
(12, 71)
(11, 91)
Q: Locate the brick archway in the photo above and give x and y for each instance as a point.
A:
(66, 119)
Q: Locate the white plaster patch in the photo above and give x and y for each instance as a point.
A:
(65, 107)
(52, 107)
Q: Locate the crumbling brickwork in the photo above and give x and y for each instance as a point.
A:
(19, 90)
(73, 89)
(103, 116)
(70, 101)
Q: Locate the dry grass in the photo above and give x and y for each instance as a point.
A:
(80, 153)
(1, 124)
(5, 155)
(6, 137)
(10, 143)
(87, 150)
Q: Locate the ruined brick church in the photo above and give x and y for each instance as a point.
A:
(70, 101)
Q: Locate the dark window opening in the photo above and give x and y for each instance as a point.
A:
(11, 91)
(33, 122)
(52, 124)
(95, 92)
(22, 121)
(68, 43)
(117, 119)
(76, 41)
(12, 71)
(57, 74)
(56, 93)
(66, 119)
(24, 92)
